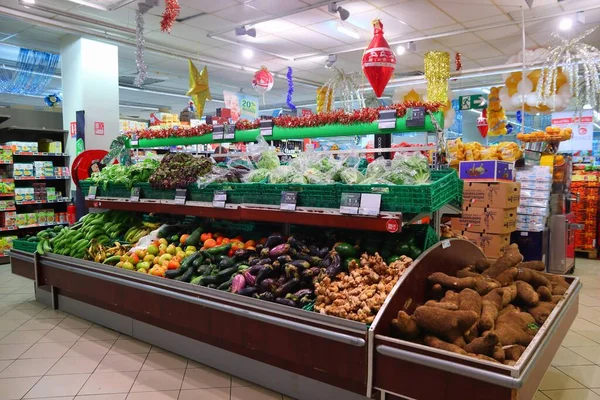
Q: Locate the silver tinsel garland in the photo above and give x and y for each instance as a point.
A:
(568, 54)
(142, 69)
(349, 88)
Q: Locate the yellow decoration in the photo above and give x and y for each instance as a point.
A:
(324, 93)
(475, 151)
(495, 114)
(437, 73)
(199, 90)
(512, 83)
(412, 96)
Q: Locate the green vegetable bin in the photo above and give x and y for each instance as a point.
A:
(235, 193)
(327, 196)
(24, 245)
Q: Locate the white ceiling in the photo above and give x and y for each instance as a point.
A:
(289, 39)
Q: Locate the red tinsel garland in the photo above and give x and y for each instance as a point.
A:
(170, 15)
(364, 115)
(458, 61)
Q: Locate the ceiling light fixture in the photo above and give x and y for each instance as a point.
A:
(565, 24)
(346, 30)
(331, 60)
(400, 50)
(29, 1)
(242, 30)
(247, 53)
(334, 8)
(587, 107)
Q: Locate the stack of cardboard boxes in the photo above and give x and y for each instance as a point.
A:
(489, 212)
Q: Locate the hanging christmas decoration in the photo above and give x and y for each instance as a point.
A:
(482, 124)
(170, 15)
(496, 118)
(323, 93)
(140, 42)
(569, 54)
(262, 81)
(52, 100)
(458, 62)
(33, 72)
(290, 91)
(348, 87)
(378, 61)
(199, 90)
(437, 73)
(519, 116)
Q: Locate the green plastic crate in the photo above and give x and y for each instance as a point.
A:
(24, 245)
(148, 192)
(327, 196)
(235, 192)
(114, 190)
(429, 197)
(85, 186)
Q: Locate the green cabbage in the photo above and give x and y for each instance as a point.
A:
(268, 160)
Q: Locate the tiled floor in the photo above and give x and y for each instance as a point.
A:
(49, 354)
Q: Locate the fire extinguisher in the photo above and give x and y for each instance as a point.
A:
(71, 213)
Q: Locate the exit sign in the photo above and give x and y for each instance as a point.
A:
(473, 102)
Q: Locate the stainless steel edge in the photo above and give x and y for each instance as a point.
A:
(472, 372)
(283, 311)
(21, 255)
(338, 337)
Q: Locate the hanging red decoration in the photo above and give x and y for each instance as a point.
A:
(170, 15)
(482, 123)
(378, 61)
(458, 61)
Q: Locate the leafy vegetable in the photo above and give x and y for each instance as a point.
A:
(350, 176)
(120, 174)
(258, 175)
(179, 170)
(268, 160)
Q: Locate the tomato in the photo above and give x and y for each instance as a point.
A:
(205, 236)
(231, 252)
(210, 243)
(250, 248)
(219, 240)
(183, 238)
(173, 264)
(239, 239)
(226, 241)
(250, 243)
(235, 245)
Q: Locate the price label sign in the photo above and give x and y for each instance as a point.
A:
(180, 196)
(387, 119)
(219, 198)
(350, 203)
(288, 201)
(266, 127)
(133, 142)
(415, 117)
(229, 132)
(92, 192)
(445, 244)
(217, 132)
(135, 194)
(370, 204)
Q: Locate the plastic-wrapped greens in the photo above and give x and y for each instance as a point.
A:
(258, 175)
(377, 168)
(315, 176)
(350, 176)
(263, 154)
(414, 165)
(281, 174)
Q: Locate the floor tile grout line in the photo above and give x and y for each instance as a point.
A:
(140, 370)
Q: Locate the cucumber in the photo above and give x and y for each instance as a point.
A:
(207, 280)
(204, 269)
(226, 263)
(187, 275)
(226, 274)
(173, 273)
(188, 263)
(225, 285)
(194, 238)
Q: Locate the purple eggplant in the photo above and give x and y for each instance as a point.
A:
(300, 264)
(247, 291)
(310, 273)
(241, 254)
(264, 273)
(314, 250)
(286, 302)
(264, 253)
(268, 296)
(274, 240)
(250, 279)
(298, 245)
(238, 283)
(268, 285)
(284, 259)
(255, 269)
(264, 261)
(291, 272)
(323, 252)
(279, 250)
(335, 264)
(313, 260)
(253, 260)
(304, 292)
(259, 248)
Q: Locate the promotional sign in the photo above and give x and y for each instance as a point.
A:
(583, 130)
(73, 129)
(98, 128)
(241, 105)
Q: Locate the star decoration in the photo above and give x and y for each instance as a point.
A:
(199, 90)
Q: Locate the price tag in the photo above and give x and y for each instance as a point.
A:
(288, 201)
(133, 142)
(350, 203)
(524, 233)
(180, 196)
(445, 244)
(266, 127)
(92, 192)
(370, 203)
(229, 132)
(415, 117)
(387, 119)
(217, 132)
(135, 194)
(219, 198)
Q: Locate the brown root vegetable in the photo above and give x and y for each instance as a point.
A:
(558, 290)
(479, 283)
(535, 265)
(467, 272)
(544, 293)
(445, 324)
(556, 298)
(541, 311)
(513, 352)
(482, 264)
(483, 357)
(509, 259)
(404, 326)
(484, 344)
(509, 294)
(556, 280)
(472, 333)
(469, 300)
(534, 278)
(510, 363)
(507, 277)
(438, 291)
(490, 306)
(526, 294)
(515, 327)
(499, 354)
(441, 304)
(434, 342)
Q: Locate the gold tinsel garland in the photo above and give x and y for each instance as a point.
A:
(437, 73)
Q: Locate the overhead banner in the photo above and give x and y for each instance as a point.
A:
(583, 130)
(241, 105)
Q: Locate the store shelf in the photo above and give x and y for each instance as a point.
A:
(7, 195)
(8, 209)
(41, 178)
(23, 203)
(320, 217)
(38, 153)
(16, 228)
(5, 162)
(19, 129)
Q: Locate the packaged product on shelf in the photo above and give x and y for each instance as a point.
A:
(31, 218)
(531, 219)
(7, 186)
(493, 194)
(530, 227)
(50, 146)
(535, 194)
(50, 216)
(533, 202)
(533, 210)
(492, 245)
(486, 170)
(488, 220)
(535, 173)
(9, 218)
(24, 194)
(40, 216)
(6, 154)
(544, 185)
(61, 217)
(6, 242)
(51, 194)
(20, 219)
(6, 204)
(65, 171)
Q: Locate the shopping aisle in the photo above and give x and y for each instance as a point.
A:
(50, 354)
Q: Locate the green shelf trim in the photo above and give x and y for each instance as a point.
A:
(280, 133)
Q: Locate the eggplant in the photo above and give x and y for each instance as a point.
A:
(300, 264)
(310, 273)
(264, 252)
(304, 292)
(293, 297)
(253, 260)
(323, 252)
(279, 250)
(274, 240)
(335, 265)
(241, 254)
(265, 261)
(247, 291)
(259, 248)
(264, 273)
(268, 296)
(284, 259)
(268, 285)
(298, 245)
(314, 250)
(305, 300)
(291, 272)
(250, 279)
(293, 252)
(286, 302)
(255, 269)
(238, 283)
(313, 260)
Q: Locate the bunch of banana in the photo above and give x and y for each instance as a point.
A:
(100, 253)
(135, 233)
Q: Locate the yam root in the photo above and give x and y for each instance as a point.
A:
(541, 312)
(437, 291)
(472, 333)
(558, 290)
(544, 293)
(509, 259)
(515, 327)
(483, 357)
(442, 304)
(482, 264)
(535, 265)
(534, 278)
(467, 272)
(434, 342)
(490, 306)
(469, 300)
(509, 294)
(556, 298)
(445, 324)
(484, 344)
(479, 283)
(507, 277)
(404, 326)
(526, 294)
(499, 354)
(513, 352)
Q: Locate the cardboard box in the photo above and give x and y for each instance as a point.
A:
(487, 171)
(493, 194)
(488, 220)
(492, 245)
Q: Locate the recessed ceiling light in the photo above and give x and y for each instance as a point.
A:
(400, 50)
(248, 53)
(565, 24)
(587, 107)
(29, 1)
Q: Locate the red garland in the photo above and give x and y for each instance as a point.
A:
(364, 115)
(458, 61)
(170, 15)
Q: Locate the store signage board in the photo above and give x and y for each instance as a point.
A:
(135, 194)
(288, 201)
(473, 102)
(99, 128)
(583, 129)
(92, 192)
(370, 204)
(219, 198)
(229, 132)
(350, 203)
(73, 129)
(266, 127)
(217, 133)
(387, 119)
(180, 196)
(415, 117)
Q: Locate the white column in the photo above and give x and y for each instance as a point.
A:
(90, 82)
